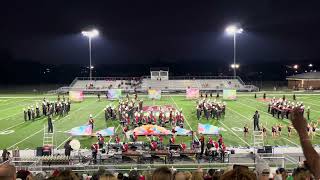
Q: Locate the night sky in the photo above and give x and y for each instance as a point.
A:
(136, 32)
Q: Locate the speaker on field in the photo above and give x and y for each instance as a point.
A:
(268, 149)
(261, 151)
(39, 151)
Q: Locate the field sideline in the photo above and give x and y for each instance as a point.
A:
(15, 132)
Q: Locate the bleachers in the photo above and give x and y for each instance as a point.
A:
(175, 84)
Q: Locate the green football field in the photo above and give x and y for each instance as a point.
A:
(15, 132)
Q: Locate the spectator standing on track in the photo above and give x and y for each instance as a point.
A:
(256, 118)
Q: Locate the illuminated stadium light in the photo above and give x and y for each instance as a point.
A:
(295, 66)
(90, 34)
(310, 65)
(234, 66)
(234, 30)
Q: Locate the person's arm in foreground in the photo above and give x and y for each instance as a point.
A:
(313, 158)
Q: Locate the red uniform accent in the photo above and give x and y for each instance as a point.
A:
(154, 145)
(128, 120)
(101, 139)
(161, 139)
(216, 145)
(117, 140)
(210, 141)
(172, 140)
(125, 147)
(220, 140)
(137, 119)
(183, 146)
(94, 147)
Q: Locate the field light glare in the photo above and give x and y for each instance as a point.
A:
(234, 66)
(295, 66)
(310, 65)
(91, 34)
(232, 29)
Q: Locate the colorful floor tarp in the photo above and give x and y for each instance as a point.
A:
(84, 130)
(150, 129)
(106, 132)
(182, 132)
(208, 129)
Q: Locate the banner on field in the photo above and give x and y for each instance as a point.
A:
(154, 94)
(114, 93)
(76, 96)
(150, 129)
(181, 131)
(192, 93)
(84, 130)
(208, 129)
(106, 132)
(229, 94)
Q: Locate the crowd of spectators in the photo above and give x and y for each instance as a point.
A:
(237, 172)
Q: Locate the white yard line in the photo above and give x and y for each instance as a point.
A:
(184, 117)
(11, 116)
(12, 126)
(25, 139)
(235, 133)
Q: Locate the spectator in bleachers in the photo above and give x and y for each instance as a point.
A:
(7, 172)
(239, 172)
(162, 173)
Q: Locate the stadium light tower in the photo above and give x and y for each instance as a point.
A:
(90, 34)
(234, 30)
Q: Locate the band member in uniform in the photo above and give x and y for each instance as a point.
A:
(37, 111)
(309, 130)
(100, 141)
(274, 131)
(220, 140)
(202, 143)
(289, 129)
(50, 127)
(154, 145)
(279, 129)
(313, 129)
(264, 131)
(294, 97)
(245, 131)
(117, 139)
(125, 147)
(98, 96)
(25, 114)
(172, 140)
(264, 95)
(94, 150)
(91, 122)
(308, 113)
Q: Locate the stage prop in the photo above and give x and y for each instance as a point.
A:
(192, 93)
(84, 130)
(150, 129)
(182, 132)
(75, 144)
(114, 93)
(229, 94)
(208, 129)
(106, 132)
(76, 96)
(154, 94)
